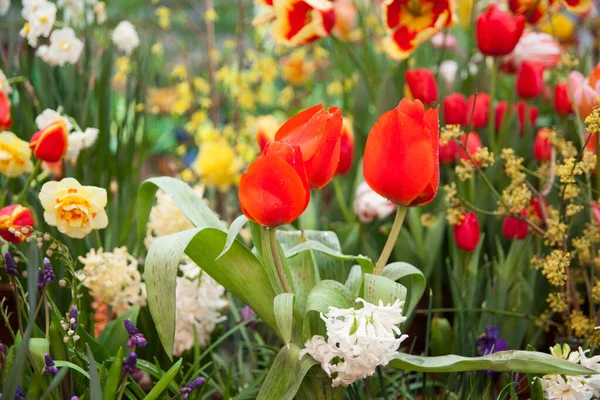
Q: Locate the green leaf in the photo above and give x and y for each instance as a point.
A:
(364, 262)
(115, 336)
(56, 381)
(234, 230)
(17, 366)
(74, 367)
(326, 294)
(239, 271)
(114, 377)
(411, 277)
(269, 262)
(95, 384)
(186, 199)
(528, 362)
(38, 348)
(378, 288)
(164, 382)
(354, 281)
(284, 314)
(442, 336)
(286, 374)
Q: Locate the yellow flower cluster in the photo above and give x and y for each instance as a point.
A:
(123, 67)
(217, 164)
(483, 158)
(553, 266)
(164, 17)
(455, 208)
(513, 166)
(556, 230)
(580, 324)
(557, 302)
(428, 220)
(514, 199)
(450, 132)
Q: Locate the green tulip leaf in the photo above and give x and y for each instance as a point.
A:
(379, 288)
(284, 314)
(326, 294)
(234, 231)
(364, 262)
(411, 277)
(164, 382)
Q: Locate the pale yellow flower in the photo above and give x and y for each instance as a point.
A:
(15, 155)
(74, 209)
(218, 165)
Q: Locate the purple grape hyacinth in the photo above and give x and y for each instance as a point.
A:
(130, 364)
(11, 265)
(190, 387)
(489, 342)
(50, 367)
(46, 275)
(136, 338)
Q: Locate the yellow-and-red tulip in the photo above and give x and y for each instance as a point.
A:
(50, 144)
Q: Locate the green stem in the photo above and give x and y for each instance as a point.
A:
(23, 195)
(18, 304)
(339, 196)
(391, 240)
(491, 114)
(277, 260)
(488, 310)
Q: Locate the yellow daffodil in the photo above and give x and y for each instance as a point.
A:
(15, 155)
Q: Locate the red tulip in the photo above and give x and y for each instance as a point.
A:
(5, 120)
(542, 148)
(421, 85)
(274, 191)
(318, 133)
(562, 100)
(499, 113)
(596, 212)
(50, 144)
(467, 232)
(498, 32)
(472, 142)
(535, 211)
(455, 109)
(16, 223)
(590, 142)
(299, 22)
(514, 228)
(530, 79)
(346, 148)
(448, 152)
(401, 160)
(479, 116)
(532, 111)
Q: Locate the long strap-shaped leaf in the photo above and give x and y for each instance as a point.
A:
(286, 374)
(365, 262)
(238, 270)
(528, 362)
(413, 279)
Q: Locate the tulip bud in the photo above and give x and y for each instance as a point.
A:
(542, 148)
(420, 85)
(498, 32)
(467, 232)
(499, 113)
(525, 109)
(274, 191)
(530, 79)
(401, 160)
(514, 228)
(50, 144)
(455, 109)
(596, 211)
(346, 148)
(590, 142)
(562, 100)
(478, 116)
(448, 152)
(318, 133)
(472, 142)
(5, 119)
(266, 127)
(16, 223)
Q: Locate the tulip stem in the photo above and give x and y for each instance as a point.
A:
(36, 170)
(339, 195)
(277, 259)
(391, 240)
(491, 114)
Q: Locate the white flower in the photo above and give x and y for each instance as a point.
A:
(199, 302)
(73, 12)
(573, 388)
(100, 12)
(30, 6)
(113, 278)
(41, 19)
(64, 47)
(534, 46)
(368, 205)
(47, 118)
(79, 141)
(4, 85)
(358, 340)
(125, 37)
(448, 70)
(4, 7)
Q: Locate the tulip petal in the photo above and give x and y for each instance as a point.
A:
(305, 130)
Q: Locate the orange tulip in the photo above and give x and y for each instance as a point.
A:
(401, 160)
(16, 223)
(411, 23)
(318, 133)
(346, 148)
(274, 191)
(50, 144)
(5, 120)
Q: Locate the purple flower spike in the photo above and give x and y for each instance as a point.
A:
(19, 394)
(135, 337)
(45, 276)
(11, 265)
(73, 316)
(130, 363)
(248, 313)
(74, 398)
(190, 387)
(489, 343)
(49, 367)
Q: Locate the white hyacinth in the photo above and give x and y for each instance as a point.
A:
(125, 37)
(369, 205)
(559, 387)
(79, 141)
(49, 116)
(64, 48)
(40, 17)
(358, 340)
(198, 308)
